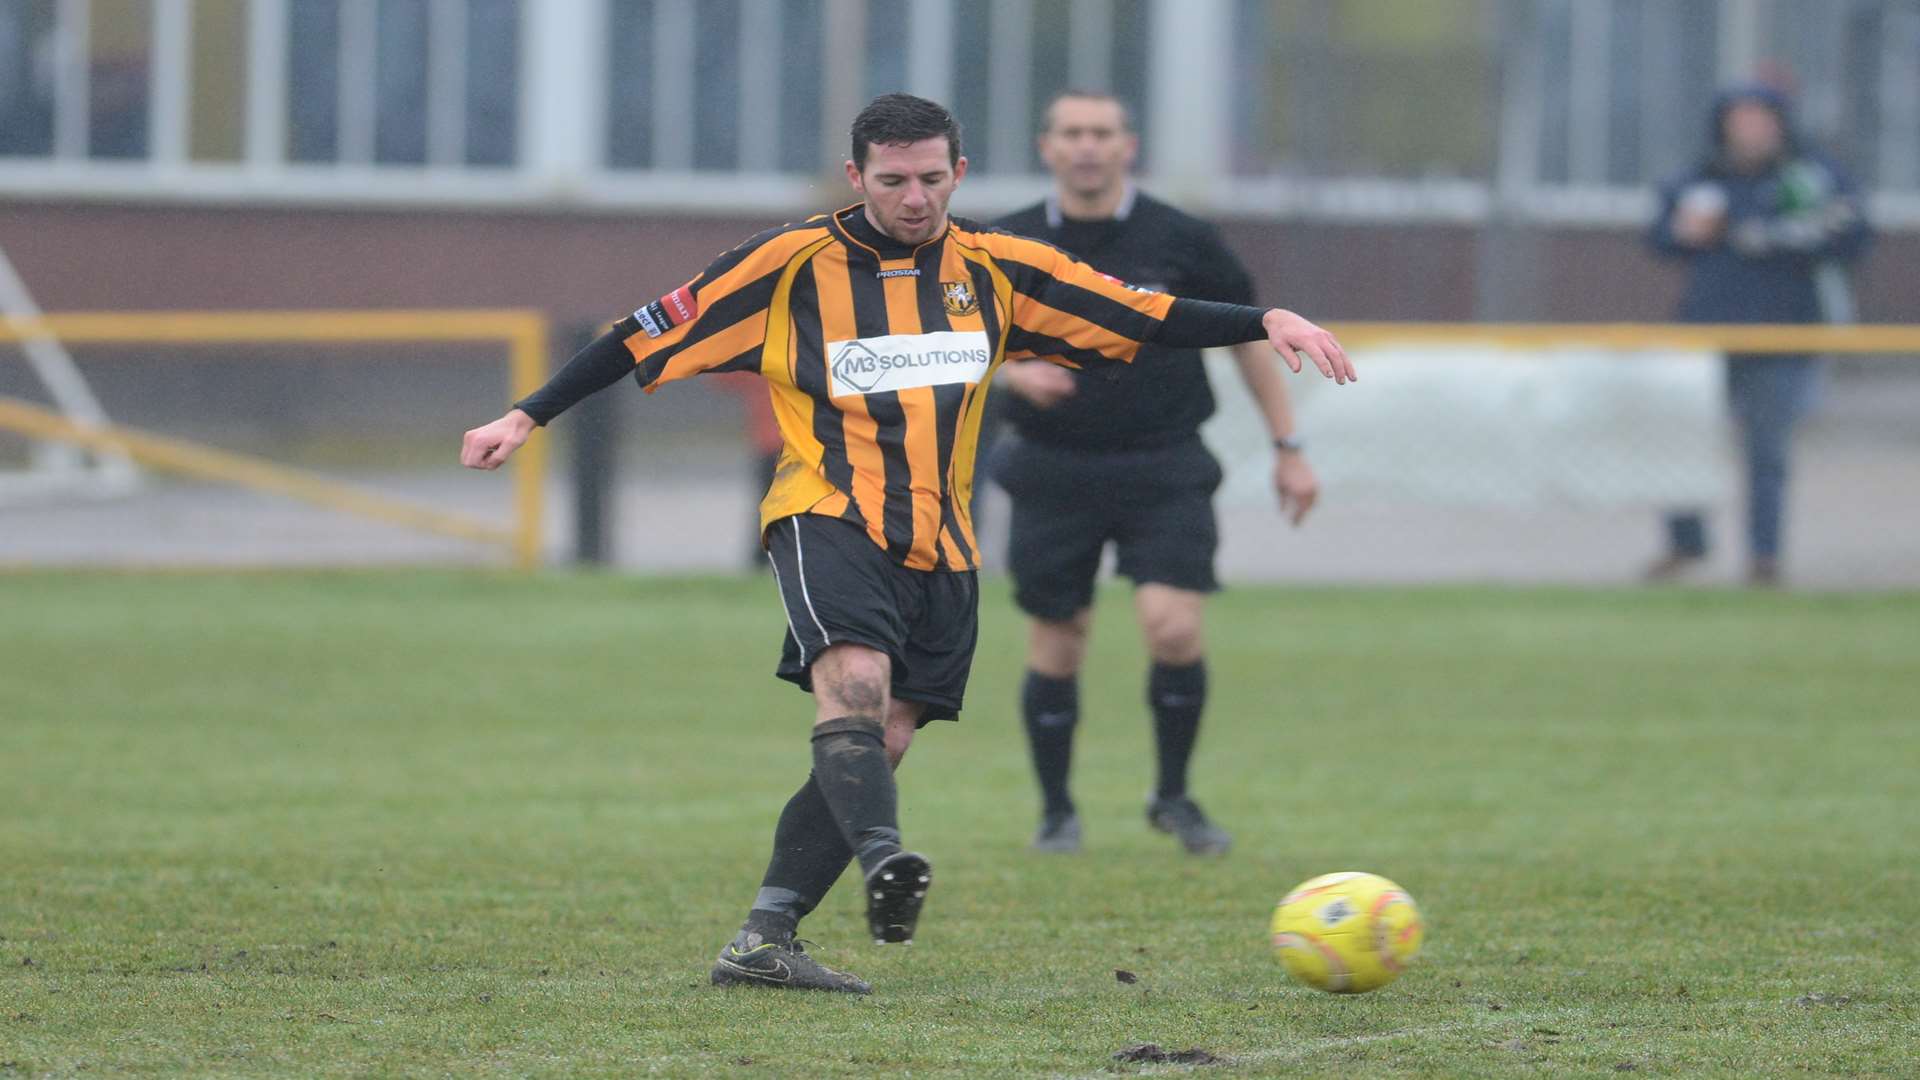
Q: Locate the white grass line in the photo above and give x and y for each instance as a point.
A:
(1295, 1052)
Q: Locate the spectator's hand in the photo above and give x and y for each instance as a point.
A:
(1698, 228)
(1039, 382)
(489, 447)
(1294, 480)
(1752, 238)
(1290, 335)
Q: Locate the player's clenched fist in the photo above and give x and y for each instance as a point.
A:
(489, 446)
(1292, 335)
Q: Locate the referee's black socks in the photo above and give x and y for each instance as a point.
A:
(1176, 695)
(1051, 708)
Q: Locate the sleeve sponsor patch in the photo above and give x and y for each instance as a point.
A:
(1136, 288)
(674, 309)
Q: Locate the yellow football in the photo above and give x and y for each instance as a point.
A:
(1347, 933)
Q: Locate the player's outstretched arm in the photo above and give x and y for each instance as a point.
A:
(1206, 324)
(490, 445)
(602, 363)
(1061, 307)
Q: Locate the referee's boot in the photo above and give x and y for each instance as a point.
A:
(1189, 824)
(1059, 833)
(751, 960)
(895, 890)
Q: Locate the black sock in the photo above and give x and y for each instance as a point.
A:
(1052, 710)
(808, 855)
(851, 768)
(1176, 695)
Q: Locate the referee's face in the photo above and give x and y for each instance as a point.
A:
(907, 187)
(1087, 145)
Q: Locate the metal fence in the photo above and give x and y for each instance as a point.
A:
(1561, 110)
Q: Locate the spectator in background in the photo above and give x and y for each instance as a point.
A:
(1764, 224)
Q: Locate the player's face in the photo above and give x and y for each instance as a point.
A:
(1088, 146)
(1754, 134)
(907, 187)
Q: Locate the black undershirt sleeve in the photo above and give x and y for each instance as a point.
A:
(1205, 324)
(601, 364)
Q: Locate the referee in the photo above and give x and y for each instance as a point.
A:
(1097, 461)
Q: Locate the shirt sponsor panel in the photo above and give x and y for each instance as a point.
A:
(878, 365)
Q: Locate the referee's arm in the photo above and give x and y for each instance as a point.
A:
(1216, 273)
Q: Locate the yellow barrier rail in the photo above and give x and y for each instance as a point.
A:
(192, 459)
(524, 333)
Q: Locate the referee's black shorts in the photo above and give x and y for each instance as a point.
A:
(839, 587)
(1155, 505)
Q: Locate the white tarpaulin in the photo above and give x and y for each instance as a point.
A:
(1493, 426)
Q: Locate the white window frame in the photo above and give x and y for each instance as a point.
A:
(561, 160)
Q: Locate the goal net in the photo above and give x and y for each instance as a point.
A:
(266, 438)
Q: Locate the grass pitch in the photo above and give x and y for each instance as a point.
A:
(393, 823)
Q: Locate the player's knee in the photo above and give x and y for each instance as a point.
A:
(852, 680)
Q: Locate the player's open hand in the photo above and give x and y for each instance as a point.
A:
(1290, 335)
(490, 446)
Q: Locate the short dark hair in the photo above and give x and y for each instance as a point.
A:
(901, 119)
(1126, 110)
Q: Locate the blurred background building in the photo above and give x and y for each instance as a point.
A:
(1369, 159)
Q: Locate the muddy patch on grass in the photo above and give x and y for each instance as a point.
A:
(1154, 1054)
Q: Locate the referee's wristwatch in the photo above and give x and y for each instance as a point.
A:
(1290, 445)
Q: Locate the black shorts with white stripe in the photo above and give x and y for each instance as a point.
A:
(839, 587)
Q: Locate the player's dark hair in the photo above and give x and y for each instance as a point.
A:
(1073, 94)
(900, 119)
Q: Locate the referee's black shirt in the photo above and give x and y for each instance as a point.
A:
(1163, 397)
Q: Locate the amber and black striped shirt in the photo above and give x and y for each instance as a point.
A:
(878, 357)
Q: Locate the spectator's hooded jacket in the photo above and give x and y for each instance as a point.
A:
(1786, 226)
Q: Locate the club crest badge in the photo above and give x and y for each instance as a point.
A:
(958, 298)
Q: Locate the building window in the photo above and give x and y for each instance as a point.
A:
(1392, 88)
(402, 82)
(29, 58)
